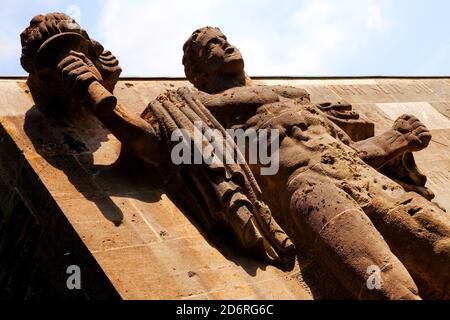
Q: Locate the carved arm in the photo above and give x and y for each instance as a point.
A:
(407, 135)
(137, 136)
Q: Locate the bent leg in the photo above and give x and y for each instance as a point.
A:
(418, 232)
(346, 241)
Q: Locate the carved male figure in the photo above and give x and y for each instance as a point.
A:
(352, 215)
(229, 194)
(331, 196)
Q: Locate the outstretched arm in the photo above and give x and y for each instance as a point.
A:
(137, 136)
(407, 135)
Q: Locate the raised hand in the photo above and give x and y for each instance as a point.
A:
(416, 134)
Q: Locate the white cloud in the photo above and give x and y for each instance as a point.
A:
(276, 37)
(14, 17)
(375, 19)
(313, 13)
(315, 37)
(148, 36)
(332, 32)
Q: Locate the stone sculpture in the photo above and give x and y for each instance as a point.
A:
(327, 194)
(234, 201)
(330, 192)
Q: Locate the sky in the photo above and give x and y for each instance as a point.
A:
(275, 37)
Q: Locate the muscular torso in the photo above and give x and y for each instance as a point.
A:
(305, 131)
(312, 147)
(287, 109)
(235, 106)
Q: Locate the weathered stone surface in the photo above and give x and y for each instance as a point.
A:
(65, 176)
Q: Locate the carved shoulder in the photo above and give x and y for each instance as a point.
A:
(290, 92)
(240, 103)
(239, 96)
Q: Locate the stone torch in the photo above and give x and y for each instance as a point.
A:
(58, 47)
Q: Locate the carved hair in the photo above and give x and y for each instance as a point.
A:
(42, 28)
(193, 66)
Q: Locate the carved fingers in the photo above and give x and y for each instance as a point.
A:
(339, 106)
(415, 132)
(404, 123)
(77, 72)
(341, 110)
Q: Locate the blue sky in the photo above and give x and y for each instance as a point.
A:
(276, 37)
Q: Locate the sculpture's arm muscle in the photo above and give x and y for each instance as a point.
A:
(379, 150)
(136, 135)
(407, 135)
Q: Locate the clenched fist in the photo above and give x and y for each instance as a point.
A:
(77, 72)
(416, 134)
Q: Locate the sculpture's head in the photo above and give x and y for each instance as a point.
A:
(211, 62)
(45, 85)
(42, 28)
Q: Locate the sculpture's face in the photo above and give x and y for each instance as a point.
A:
(219, 56)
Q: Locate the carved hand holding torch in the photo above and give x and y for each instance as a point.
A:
(57, 53)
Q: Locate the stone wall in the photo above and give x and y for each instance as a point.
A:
(36, 246)
(69, 191)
